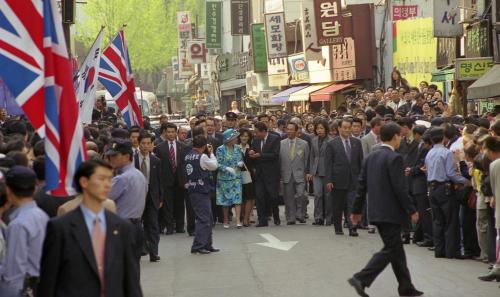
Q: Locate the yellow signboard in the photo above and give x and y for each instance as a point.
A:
(414, 49)
(472, 68)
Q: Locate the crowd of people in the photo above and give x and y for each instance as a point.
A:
(142, 182)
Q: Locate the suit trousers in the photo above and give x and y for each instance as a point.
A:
(203, 211)
(482, 231)
(492, 235)
(425, 216)
(267, 199)
(295, 200)
(446, 231)
(320, 197)
(340, 207)
(190, 215)
(151, 229)
(469, 233)
(392, 253)
(172, 214)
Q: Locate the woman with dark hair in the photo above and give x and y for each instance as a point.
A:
(310, 129)
(245, 139)
(398, 81)
(317, 169)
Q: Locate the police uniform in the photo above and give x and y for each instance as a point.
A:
(198, 185)
(24, 236)
(441, 176)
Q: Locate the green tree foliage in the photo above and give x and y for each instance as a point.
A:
(151, 31)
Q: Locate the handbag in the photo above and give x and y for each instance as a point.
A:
(246, 177)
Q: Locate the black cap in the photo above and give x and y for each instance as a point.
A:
(120, 146)
(231, 115)
(20, 177)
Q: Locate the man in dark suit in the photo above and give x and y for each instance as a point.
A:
(389, 206)
(89, 251)
(150, 166)
(343, 159)
(266, 151)
(171, 153)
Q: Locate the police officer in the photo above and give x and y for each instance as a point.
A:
(25, 235)
(129, 188)
(442, 177)
(199, 162)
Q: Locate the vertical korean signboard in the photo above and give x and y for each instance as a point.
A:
(240, 17)
(344, 60)
(197, 52)
(312, 51)
(213, 24)
(328, 21)
(447, 19)
(185, 34)
(259, 48)
(175, 68)
(275, 35)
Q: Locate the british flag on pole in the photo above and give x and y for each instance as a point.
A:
(36, 67)
(115, 74)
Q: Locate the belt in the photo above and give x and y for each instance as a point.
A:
(435, 183)
(135, 221)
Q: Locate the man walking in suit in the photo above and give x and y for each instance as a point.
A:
(172, 153)
(344, 156)
(89, 251)
(150, 166)
(389, 206)
(266, 152)
(373, 137)
(294, 160)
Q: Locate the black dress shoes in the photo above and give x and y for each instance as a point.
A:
(261, 225)
(290, 223)
(200, 251)
(154, 258)
(169, 232)
(353, 233)
(302, 221)
(339, 232)
(213, 250)
(371, 230)
(358, 286)
(425, 243)
(277, 222)
(411, 293)
(490, 277)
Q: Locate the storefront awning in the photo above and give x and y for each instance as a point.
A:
(325, 94)
(445, 74)
(232, 84)
(303, 95)
(487, 86)
(284, 95)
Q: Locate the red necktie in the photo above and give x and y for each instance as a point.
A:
(99, 244)
(172, 157)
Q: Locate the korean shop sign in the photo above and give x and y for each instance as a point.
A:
(472, 68)
(328, 21)
(240, 17)
(213, 24)
(275, 35)
(312, 51)
(403, 12)
(259, 54)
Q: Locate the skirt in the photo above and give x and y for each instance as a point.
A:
(228, 192)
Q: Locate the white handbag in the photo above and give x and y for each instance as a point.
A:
(246, 177)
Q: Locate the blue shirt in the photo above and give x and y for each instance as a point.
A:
(441, 166)
(91, 216)
(129, 192)
(25, 235)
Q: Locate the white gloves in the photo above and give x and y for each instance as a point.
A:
(231, 170)
(241, 164)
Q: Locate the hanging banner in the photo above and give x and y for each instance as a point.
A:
(240, 17)
(185, 69)
(277, 70)
(414, 49)
(213, 24)
(447, 19)
(265, 98)
(472, 68)
(403, 12)
(197, 52)
(275, 35)
(312, 51)
(259, 48)
(299, 72)
(344, 60)
(272, 6)
(184, 28)
(328, 21)
(205, 70)
(175, 68)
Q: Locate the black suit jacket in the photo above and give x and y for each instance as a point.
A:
(267, 166)
(418, 177)
(338, 170)
(155, 191)
(382, 178)
(168, 177)
(68, 266)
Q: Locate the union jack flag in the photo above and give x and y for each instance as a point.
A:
(115, 74)
(37, 69)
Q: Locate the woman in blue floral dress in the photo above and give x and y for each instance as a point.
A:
(229, 189)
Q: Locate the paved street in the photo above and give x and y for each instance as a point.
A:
(317, 266)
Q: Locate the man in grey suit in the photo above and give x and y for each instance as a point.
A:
(317, 172)
(371, 139)
(344, 156)
(294, 160)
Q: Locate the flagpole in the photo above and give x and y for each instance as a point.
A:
(92, 46)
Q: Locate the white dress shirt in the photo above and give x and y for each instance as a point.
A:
(209, 163)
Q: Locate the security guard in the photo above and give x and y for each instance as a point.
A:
(25, 235)
(442, 177)
(199, 162)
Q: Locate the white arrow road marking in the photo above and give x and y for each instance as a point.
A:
(275, 243)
